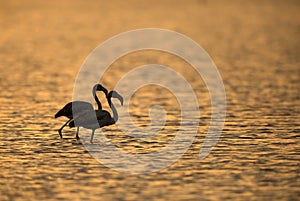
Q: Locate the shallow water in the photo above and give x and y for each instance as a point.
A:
(255, 46)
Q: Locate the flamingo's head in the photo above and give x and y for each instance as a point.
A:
(99, 87)
(114, 94)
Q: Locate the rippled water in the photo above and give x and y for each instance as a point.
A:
(256, 48)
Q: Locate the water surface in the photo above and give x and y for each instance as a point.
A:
(256, 48)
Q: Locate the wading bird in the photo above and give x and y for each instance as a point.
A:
(79, 107)
(99, 118)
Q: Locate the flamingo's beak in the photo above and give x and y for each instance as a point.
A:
(121, 100)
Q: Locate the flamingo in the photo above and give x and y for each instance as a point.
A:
(79, 106)
(104, 118)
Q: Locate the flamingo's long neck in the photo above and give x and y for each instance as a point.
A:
(97, 100)
(115, 113)
(114, 110)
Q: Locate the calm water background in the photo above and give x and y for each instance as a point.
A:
(255, 45)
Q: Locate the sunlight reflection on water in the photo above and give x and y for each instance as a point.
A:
(257, 157)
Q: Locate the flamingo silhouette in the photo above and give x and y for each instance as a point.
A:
(104, 118)
(79, 107)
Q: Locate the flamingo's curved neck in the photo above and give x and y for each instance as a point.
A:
(97, 100)
(114, 110)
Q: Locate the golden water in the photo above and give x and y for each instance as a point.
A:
(255, 45)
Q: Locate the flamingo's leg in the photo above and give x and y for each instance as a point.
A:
(60, 130)
(77, 132)
(93, 132)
